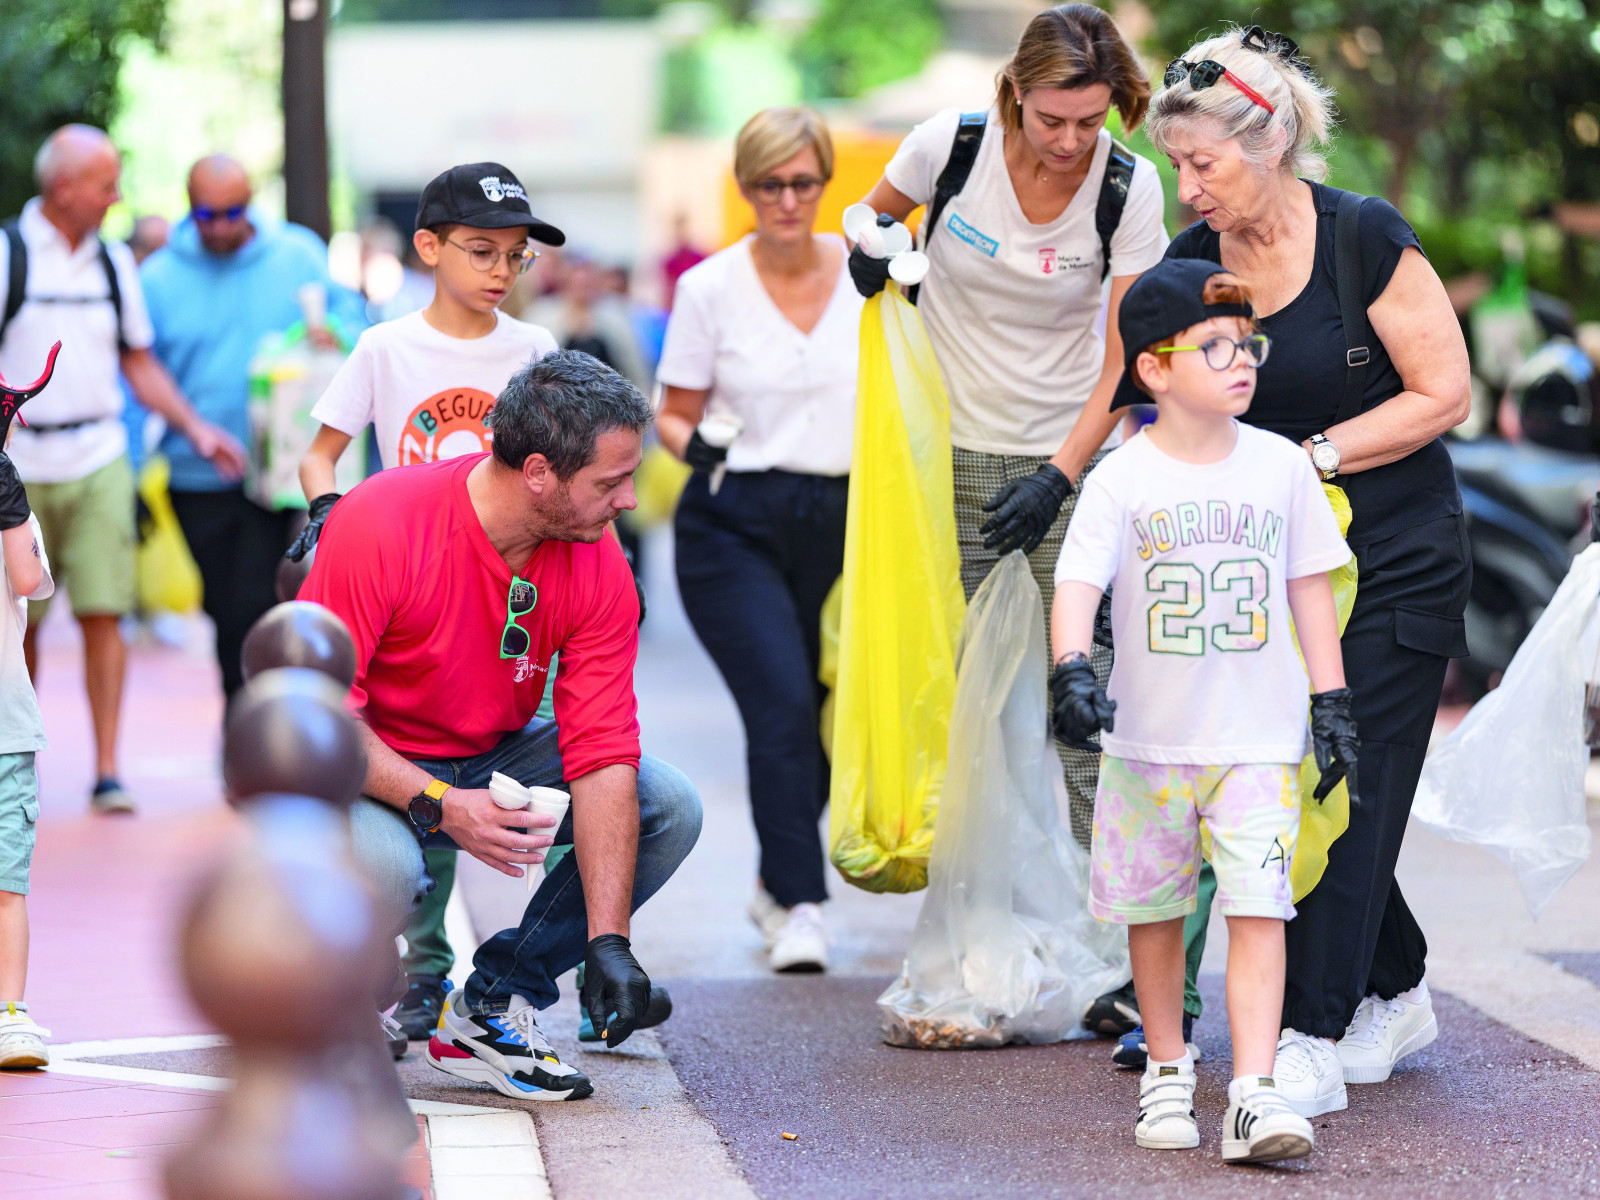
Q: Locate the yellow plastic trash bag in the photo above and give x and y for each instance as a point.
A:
(900, 611)
(167, 575)
(657, 485)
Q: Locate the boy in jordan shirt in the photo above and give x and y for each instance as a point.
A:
(427, 382)
(1213, 536)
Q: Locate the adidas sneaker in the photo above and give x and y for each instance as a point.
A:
(1260, 1125)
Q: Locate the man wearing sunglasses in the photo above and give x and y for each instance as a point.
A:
(459, 579)
(227, 278)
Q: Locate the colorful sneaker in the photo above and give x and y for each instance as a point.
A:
(1114, 1013)
(420, 1008)
(506, 1050)
(1307, 1074)
(1166, 1109)
(110, 798)
(1260, 1125)
(1384, 1032)
(21, 1041)
(1131, 1051)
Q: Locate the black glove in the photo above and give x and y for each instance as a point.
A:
(638, 587)
(1334, 742)
(1079, 706)
(14, 508)
(1102, 622)
(616, 991)
(702, 456)
(870, 275)
(1024, 510)
(318, 512)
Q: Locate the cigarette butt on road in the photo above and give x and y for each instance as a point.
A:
(789, 1137)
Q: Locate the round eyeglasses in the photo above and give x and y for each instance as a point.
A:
(484, 258)
(1221, 352)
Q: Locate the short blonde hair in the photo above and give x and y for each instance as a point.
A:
(775, 135)
(1073, 46)
(1290, 139)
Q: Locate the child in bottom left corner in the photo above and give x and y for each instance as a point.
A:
(21, 737)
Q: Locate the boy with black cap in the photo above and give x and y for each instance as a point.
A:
(427, 381)
(1212, 535)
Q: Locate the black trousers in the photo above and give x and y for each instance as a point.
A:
(755, 562)
(1353, 935)
(237, 545)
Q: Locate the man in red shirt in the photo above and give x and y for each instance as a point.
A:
(458, 580)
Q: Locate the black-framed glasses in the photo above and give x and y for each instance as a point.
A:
(806, 188)
(484, 258)
(1206, 73)
(205, 215)
(1221, 352)
(520, 599)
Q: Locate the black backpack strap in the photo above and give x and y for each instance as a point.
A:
(16, 274)
(114, 287)
(957, 169)
(1352, 312)
(1113, 199)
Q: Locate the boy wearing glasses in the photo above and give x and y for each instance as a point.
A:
(1213, 537)
(427, 381)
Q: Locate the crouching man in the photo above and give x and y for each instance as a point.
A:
(459, 580)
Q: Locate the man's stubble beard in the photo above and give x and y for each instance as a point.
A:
(558, 521)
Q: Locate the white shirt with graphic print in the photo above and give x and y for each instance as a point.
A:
(1198, 557)
(427, 393)
(1012, 308)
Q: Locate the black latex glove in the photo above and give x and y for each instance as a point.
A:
(616, 991)
(1024, 510)
(638, 587)
(701, 455)
(870, 275)
(318, 513)
(1334, 742)
(1079, 706)
(1102, 622)
(14, 508)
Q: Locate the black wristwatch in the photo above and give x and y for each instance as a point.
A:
(426, 809)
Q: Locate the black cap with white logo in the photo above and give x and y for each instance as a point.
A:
(482, 195)
(1163, 301)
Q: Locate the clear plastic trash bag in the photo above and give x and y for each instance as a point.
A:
(1004, 948)
(1510, 777)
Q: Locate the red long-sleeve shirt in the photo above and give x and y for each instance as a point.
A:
(404, 561)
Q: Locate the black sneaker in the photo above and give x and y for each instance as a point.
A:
(1114, 1013)
(419, 1010)
(1131, 1051)
(659, 1009)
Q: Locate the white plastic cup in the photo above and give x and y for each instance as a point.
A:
(909, 268)
(540, 801)
(719, 431)
(857, 218)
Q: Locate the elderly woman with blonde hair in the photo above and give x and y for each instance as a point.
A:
(765, 332)
(1368, 369)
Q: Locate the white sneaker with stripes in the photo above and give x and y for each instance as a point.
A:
(1260, 1125)
(1166, 1108)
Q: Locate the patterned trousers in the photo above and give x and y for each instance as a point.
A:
(978, 476)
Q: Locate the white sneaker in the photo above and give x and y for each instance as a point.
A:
(801, 942)
(767, 915)
(1261, 1126)
(1166, 1109)
(1384, 1032)
(1308, 1074)
(21, 1041)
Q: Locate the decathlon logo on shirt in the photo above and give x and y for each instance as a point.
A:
(497, 191)
(971, 236)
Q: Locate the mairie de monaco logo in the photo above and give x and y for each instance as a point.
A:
(1047, 260)
(496, 191)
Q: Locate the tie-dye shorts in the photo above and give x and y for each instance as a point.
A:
(1148, 817)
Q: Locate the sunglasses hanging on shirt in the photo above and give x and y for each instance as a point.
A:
(520, 599)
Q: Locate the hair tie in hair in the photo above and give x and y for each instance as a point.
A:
(1279, 45)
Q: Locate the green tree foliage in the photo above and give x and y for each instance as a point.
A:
(59, 61)
(854, 45)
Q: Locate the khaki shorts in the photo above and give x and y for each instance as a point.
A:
(89, 539)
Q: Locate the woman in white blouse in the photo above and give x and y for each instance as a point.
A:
(765, 332)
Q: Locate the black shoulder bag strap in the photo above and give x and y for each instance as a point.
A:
(957, 169)
(16, 274)
(1352, 312)
(1113, 198)
(114, 288)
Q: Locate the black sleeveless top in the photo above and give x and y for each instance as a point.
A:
(1299, 390)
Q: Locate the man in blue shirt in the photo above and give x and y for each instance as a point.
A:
(226, 279)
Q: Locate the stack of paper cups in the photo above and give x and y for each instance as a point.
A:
(542, 801)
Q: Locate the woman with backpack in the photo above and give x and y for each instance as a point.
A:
(1032, 206)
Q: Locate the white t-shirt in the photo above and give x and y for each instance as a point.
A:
(1011, 307)
(67, 300)
(427, 393)
(21, 728)
(795, 392)
(1198, 558)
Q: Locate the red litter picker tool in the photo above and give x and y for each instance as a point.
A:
(12, 399)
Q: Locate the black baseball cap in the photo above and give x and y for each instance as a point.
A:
(482, 195)
(1163, 301)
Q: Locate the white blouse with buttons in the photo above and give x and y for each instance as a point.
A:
(794, 391)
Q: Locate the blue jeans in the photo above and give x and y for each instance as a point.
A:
(554, 932)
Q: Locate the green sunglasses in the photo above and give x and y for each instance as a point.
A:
(514, 639)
